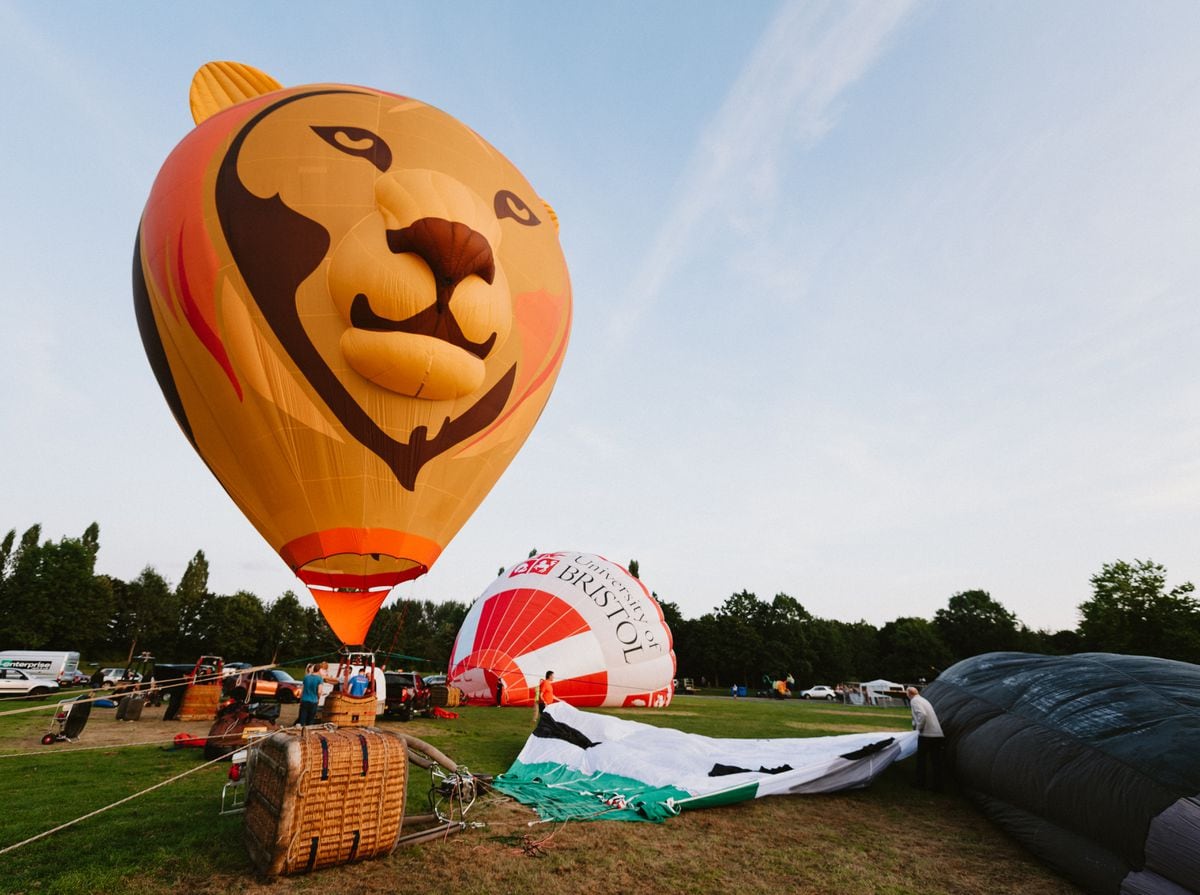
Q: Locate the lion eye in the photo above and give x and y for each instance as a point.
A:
(359, 142)
(509, 205)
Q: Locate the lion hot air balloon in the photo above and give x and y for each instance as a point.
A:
(576, 614)
(356, 309)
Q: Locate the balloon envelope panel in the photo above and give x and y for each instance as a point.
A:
(576, 614)
(1087, 760)
(356, 309)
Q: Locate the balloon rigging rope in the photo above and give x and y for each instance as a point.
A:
(128, 798)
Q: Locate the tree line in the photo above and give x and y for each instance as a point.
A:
(51, 597)
(747, 640)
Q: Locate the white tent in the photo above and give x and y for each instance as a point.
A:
(880, 686)
(876, 692)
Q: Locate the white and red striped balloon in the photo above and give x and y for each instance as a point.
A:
(576, 614)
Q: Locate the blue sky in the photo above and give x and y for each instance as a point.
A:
(874, 303)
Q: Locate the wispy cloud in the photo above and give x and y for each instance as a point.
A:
(785, 97)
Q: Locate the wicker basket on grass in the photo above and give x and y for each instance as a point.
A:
(445, 696)
(200, 702)
(319, 798)
(348, 711)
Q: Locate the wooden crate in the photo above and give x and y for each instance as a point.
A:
(319, 798)
(200, 702)
(348, 711)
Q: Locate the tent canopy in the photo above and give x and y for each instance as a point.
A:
(881, 686)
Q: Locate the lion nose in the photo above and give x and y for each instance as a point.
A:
(452, 250)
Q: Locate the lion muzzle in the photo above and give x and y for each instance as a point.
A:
(424, 297)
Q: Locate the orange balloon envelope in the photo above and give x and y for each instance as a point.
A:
(356, 309)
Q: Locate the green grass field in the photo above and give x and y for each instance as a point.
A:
(889, 839)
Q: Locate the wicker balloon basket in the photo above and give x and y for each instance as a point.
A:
(445, 695)
(200, 702)
(319, 798)
(348, 711)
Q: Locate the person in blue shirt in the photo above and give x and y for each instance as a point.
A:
(310, 692)
(360, 683)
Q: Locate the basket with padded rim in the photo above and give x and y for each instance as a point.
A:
(348, 711)
(320, 797)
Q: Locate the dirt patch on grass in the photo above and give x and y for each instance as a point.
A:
(867, 713)
(103, 729)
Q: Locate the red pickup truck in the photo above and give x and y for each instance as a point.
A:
(407, 695)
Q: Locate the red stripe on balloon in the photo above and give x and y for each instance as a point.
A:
(528, 619)
(204, 332)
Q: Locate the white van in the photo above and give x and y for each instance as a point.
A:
(57, 665)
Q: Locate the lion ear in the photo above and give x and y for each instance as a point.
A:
(219, 85)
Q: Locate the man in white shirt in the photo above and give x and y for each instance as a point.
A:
(931, 741)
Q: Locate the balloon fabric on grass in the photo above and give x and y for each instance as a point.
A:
(1090, 761)
(587, 766)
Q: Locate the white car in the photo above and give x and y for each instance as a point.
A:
(819, 692)
(113, 676)
(15, 682)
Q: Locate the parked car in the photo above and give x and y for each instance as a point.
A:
(271, 684)
(15, 682)
(114, 675)
(432, 680)
(407, 694)
(75, 679)
(820, 691)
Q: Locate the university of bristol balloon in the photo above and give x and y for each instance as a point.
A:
(356, 309)
(577, 614)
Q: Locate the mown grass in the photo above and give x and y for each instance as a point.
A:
(890, 839)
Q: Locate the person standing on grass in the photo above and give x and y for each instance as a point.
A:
(546, 692)
(310, 692)
(931, 742)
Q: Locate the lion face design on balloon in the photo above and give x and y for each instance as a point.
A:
(331, 270)
(420, 281)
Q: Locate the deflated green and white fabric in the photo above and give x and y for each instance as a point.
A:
(582, 766)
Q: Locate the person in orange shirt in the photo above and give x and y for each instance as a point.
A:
(546, 692)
